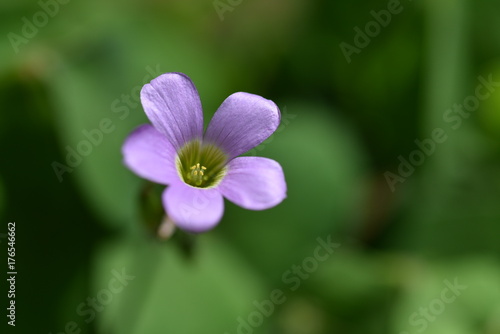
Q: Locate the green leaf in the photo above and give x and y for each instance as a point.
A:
(169, 293)
(91, 137)
(462, 296)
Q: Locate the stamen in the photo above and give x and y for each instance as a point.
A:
(201, 165)
(198, 171)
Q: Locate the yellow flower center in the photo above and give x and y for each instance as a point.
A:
(198, 174)
(201, 165)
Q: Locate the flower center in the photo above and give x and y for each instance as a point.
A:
(201, 165)
(197, 174)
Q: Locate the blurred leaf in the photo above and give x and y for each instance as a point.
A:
(354, 286)
(458, 213)
(170, 294)
(92, 131)
(75, 293)
(482, 277)
(489, 109)
(2, 196)
(430, 303)
(351, 281)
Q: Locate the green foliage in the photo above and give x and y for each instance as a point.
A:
(70, 96)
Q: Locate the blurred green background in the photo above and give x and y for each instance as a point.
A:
(347, 125)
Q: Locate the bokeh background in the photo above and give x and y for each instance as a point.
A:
(345, 125)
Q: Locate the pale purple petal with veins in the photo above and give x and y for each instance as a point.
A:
(242, 122)
(193, 209)
(173, 105)
(150, 155)
(254, 183)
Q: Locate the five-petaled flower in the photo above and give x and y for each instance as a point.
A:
(202, 168)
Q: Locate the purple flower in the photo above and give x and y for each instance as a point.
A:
(202, 168)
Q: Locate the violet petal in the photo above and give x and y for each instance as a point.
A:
(150, 155)
(193, 209)
(254, 183)
(242, 122)
(173, 105)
